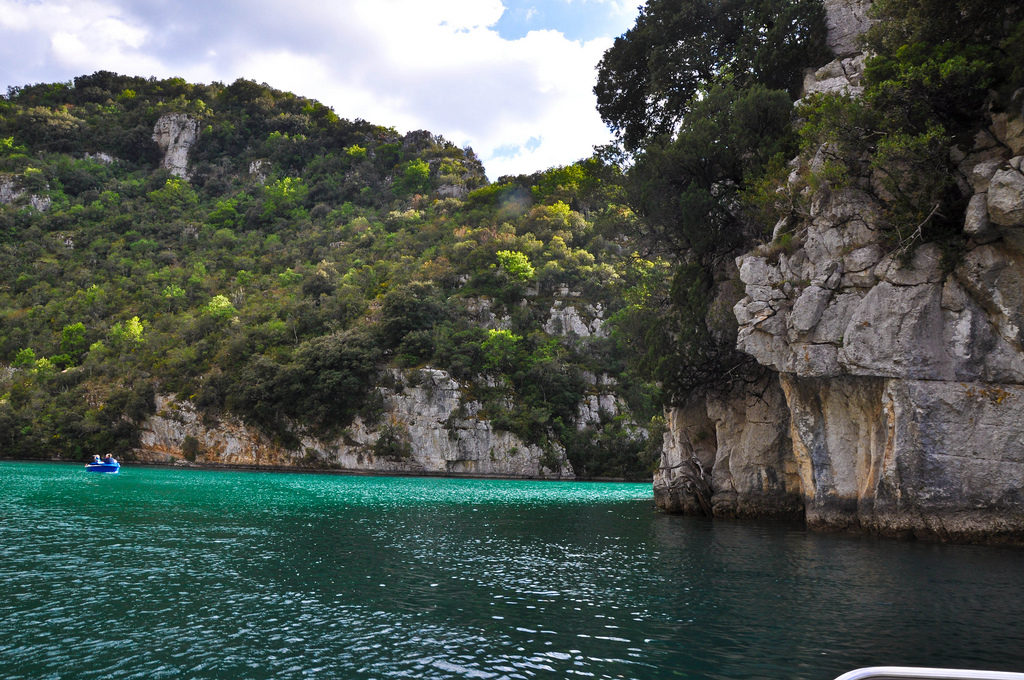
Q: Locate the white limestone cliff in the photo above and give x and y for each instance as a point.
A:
(175, 134)
(437, 433)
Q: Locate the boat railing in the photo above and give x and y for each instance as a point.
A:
(880, 672)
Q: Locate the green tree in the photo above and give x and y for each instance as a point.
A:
(219, 307)
(25, 358)
(415, 178)
(686, 188)
(126, 336)
(653, 74)
(517, 264)
(501, 350)
(73, 342)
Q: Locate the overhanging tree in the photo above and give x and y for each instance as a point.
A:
(652, 75)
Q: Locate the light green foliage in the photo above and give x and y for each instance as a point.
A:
(219, 307)
(8, 147)
(225, 215)
(356, 152)
(559, 183)
(45, 366)
(126, 336)
(173, 292)
(244, 278)
(284, 198)
(415, 178)
(289, 277)
(25, 358)
(176, 193)
(72, 340)
(501, 349)
(516, 264)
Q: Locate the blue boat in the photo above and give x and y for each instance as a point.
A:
(111, 468)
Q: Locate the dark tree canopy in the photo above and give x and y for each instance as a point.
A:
(685, 188)
(649, 78)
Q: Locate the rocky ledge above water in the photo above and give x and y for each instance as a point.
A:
(894, 399)
(892, 393)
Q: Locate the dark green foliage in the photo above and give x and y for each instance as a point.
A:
(687, 190)
(611, 448)
(686, 187)
(652, 76)
(921, 86)
(283, 297)
(415, 307)
(907, 22)
(324, 384)
(190, 448)
(393, 443)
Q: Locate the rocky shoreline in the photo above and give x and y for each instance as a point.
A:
(892, 394)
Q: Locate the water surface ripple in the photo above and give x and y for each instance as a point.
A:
(209, 574)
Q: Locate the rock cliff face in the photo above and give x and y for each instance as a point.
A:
(425, 428)
(11, 193)
(903, 380)
(175, 133)
(730, 455)
(895, 397)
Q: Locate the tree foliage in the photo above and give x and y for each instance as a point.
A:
(653, 74)
(304, 259)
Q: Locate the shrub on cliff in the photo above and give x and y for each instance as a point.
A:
(933, 76)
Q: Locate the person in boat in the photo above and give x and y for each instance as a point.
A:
(96, 459)
(109, 460)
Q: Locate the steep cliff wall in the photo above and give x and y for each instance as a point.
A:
(425, 428)
(900, 383)
(175, 134)
(903, 380)
(730, 455)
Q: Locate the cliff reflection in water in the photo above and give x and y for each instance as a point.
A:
(231, 574)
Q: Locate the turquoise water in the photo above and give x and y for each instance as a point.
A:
(158, 573)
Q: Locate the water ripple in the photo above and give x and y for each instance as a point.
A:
(189, 574)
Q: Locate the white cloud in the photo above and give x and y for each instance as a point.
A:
(437, 65)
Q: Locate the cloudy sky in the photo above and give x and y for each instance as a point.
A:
(511, 78)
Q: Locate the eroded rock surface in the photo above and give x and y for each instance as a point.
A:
(738, 442)
(175, 134)
(438, 432)
(901, 380)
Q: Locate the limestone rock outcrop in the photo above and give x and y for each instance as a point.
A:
(175, 134)
(738, 444)
(12, 193)
(582, 321)
(903, 379)
(846, 20)
(898, 381)
(435, 429)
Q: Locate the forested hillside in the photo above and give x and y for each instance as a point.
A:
(296, 259)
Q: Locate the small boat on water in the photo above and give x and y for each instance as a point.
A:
(111, 468)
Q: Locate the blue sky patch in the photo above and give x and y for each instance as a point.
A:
(575, 19)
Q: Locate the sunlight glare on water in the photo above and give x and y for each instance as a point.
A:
(161, 573)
